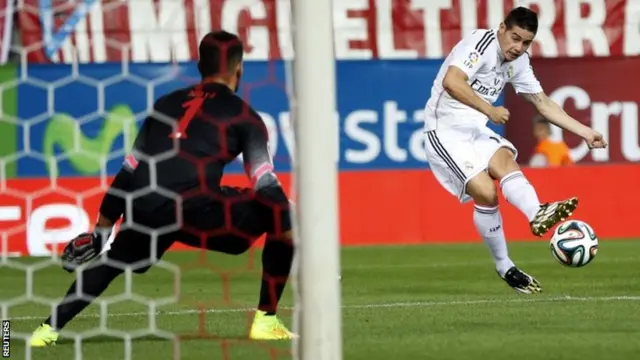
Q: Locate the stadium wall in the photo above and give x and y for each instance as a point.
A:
(379, 111)
(376, 207)
(387, 194)
(585, 54)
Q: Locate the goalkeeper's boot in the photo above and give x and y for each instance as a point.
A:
(552, 213)
(521, 281)
(269, 327)
(43, 336)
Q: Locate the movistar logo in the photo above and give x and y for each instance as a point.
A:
(87, 155)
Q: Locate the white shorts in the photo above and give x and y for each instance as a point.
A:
(457, 155)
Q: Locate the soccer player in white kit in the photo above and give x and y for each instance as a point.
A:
(466, 156)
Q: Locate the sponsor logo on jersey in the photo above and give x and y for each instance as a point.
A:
(487, 90)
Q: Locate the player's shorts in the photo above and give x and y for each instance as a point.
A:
(457, 155)
(229, 223)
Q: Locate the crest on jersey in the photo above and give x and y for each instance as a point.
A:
(474, 57)
(510, 72)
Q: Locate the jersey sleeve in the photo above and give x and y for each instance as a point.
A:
(258, 164)
(254, 139)
(524, 81)
(471, 53)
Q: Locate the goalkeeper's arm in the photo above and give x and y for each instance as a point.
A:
(258, 165)
(114, 202)
(86, 246)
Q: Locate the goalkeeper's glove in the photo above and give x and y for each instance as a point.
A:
(82, 249)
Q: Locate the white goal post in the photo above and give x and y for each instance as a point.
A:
(316, 182)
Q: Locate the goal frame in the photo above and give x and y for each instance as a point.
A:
(316, 182)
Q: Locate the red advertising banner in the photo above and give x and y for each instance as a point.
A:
(165, 30)
(599, 92)
(374, 208)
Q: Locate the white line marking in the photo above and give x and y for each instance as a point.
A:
(416, 304)
(488, 263)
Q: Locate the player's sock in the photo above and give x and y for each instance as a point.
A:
(277, 258)
(94, 281)
(488, 222)
(520, 193)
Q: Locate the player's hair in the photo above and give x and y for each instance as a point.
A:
(523, 18)
(220, 53)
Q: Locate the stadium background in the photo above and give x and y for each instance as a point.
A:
(388, 53)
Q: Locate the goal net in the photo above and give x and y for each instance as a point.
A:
(81, 78)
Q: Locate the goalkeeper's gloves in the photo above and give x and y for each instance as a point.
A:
(83, 248)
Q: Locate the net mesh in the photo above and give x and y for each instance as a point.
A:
(71, 126)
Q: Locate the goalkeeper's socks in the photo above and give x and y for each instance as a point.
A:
(488, 222)
(520, 193)
(277, 258)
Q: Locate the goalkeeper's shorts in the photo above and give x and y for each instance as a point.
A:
(229, 222)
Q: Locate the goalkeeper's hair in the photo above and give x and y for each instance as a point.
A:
(220, 53)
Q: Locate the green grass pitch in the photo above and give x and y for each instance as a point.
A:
(400, 302)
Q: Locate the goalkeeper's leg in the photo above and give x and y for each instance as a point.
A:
(277, 258)
(129, 247)
(90, 284)
(252, 219)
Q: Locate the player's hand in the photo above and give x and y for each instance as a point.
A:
(595, 140)
(82, 249)
(499, 115)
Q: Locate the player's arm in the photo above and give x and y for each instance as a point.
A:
(456, 84)
(114, 203)
(527, 85)
(555, 114)
(86, 246)
(258, 163)
(468, 58)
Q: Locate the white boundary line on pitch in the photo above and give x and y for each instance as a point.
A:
(488, 263)
(416, 304)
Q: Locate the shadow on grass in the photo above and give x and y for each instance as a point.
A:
(152, 338)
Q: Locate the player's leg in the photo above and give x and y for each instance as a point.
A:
(454, 163)
(90, 283)
(489, 146)
(277, 257)
(129, 247)
(462, 171)
(254, 218)
(519, 192)
(251, 219)
(488, 222)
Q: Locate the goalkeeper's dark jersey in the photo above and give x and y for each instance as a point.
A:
(184, 145)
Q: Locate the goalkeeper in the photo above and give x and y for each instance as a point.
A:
(172, 177)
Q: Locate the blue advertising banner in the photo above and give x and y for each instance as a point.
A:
(73, 118)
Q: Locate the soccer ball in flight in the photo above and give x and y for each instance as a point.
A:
(574, 243)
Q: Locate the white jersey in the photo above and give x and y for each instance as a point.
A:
(479, 56)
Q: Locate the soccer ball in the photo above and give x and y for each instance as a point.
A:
(574, 243)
